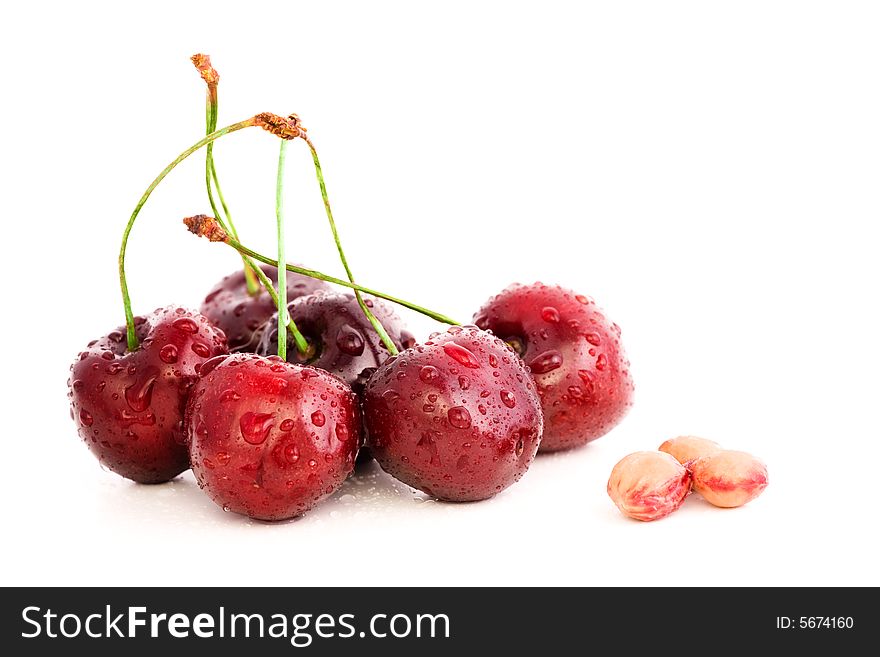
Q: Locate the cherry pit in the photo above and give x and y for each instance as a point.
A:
(279, 384)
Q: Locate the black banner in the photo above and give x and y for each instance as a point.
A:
(421, 621)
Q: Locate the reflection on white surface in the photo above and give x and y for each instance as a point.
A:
(367, 492)
(556, 526)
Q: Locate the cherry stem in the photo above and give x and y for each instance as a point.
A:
(377, 325)
(241, 248)
(282, 280)
(131, 334)
(265, 281)
(212, 80)
(302, 344)
(285, 322)
(211, 126)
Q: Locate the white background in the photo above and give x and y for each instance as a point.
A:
(708, 171)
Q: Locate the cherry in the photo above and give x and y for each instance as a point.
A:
(575, 356)
(341, 339)
(456, 417)
(269, 439)
(129, 406)
(240, 314)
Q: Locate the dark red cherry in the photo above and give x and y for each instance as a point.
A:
(575, 356)
(456, 417)
(129, 406)
(342, 340)
(269, 439)
(240, 314)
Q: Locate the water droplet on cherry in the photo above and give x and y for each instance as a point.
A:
(255, 426)
(390, 396)
(168, 354)
(350, 341)
(139, 394)
(461, 355)
(546, 362)
(201, 350)
(507, 398)
(459, 417)
(587, 377)
(185, 324)
(208, 366)
(229, 396)
(429, 374)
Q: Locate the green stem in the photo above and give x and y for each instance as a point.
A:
(211, 126)
(222, 200)
(241, 248)
(285, 322)
(131, 335)
(211, 113)
(377, 325)
(279, 225)
(266, 282)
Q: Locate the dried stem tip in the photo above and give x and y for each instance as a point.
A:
(202, 225)
(286, 128)
(208, 73)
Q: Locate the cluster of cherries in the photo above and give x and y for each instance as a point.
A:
(459, 416)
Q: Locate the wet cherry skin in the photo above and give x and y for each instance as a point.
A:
(456, 417)
(129, 406)
(575, 356)
(239, 314)
(269, 439)
(344, 341)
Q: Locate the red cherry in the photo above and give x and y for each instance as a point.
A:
(269, 439)
(456, 417)
(239, 314)
(129, 406)
(343, 340)
(575, 356)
